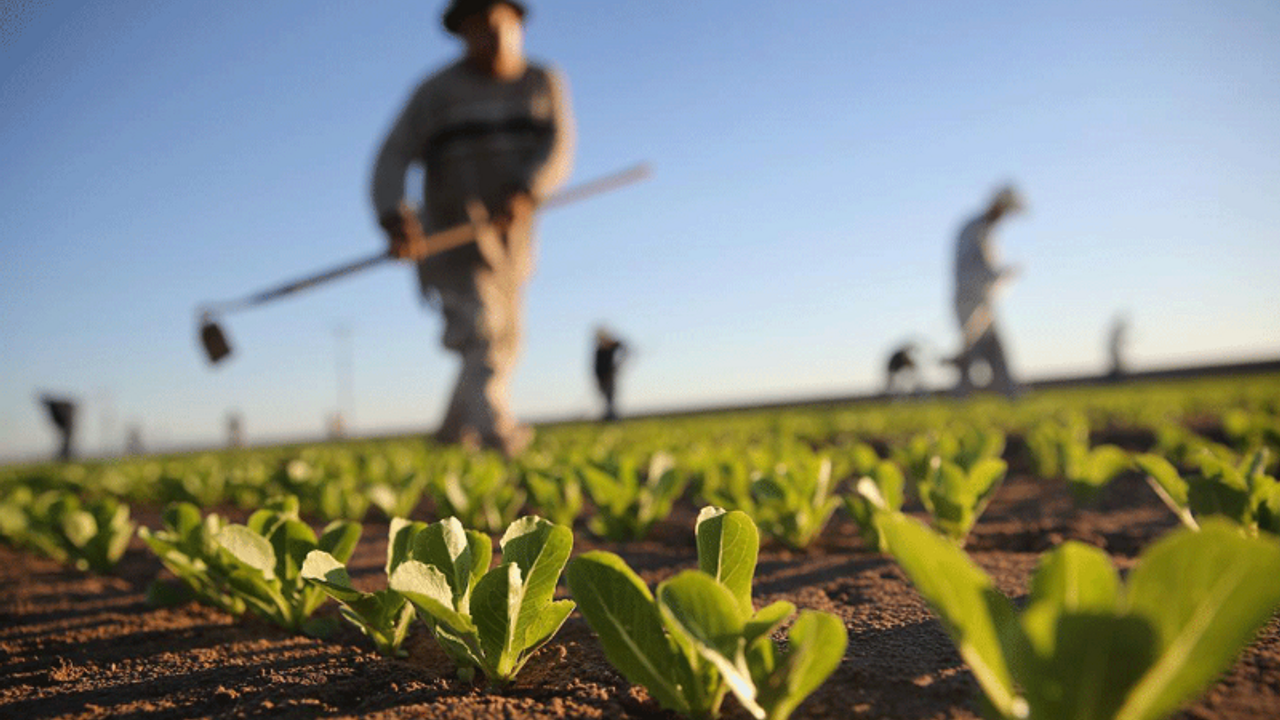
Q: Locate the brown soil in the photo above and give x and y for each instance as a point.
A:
(79, 645)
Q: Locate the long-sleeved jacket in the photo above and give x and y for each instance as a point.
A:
(477, 137)
(977, 271)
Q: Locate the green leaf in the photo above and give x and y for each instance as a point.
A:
(182, 518)
(983, 479)
(428, 589)
(80, 527)
(971, 609)
(322, 568)
(816, 646)
(291, 541)
(339, 539)
(704, 609)
(889, 480)
(1168, 485)
(1106, 462)
(728, 546)
(495, 605)
(706, 615)
(768, 619)
(540, 549)
(622, 612)
(445, 545)
(1074, 578)
(1206, 594)
(250, 585)
(480, 548)
(249, 548)
(1095, 661)
(547, 624)
(1077, 658)
(400, 541)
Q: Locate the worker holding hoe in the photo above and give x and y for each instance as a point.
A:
(495, 135)
(978, 278)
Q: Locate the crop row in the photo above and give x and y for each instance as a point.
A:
(788, 471)
(1085, 644)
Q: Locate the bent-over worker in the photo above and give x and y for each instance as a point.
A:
(978, 277)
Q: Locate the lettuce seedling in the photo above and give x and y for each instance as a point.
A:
(398, 499)
(700, 638)
(187, 545)
(556, 493)
(383, 615)
(628, 501)
(963, 446)
(328, 483)
(494, 620)
(1061, 449)
(1089, 470)
(13, 515)
(856, 460)
(1184, 447)
(1244, 494)
(1087, 647)
(722, 477)
(90, 536)
(880, 489)
(479, 491)
(1251, 429)
(955, 497)
(795, 500)
(267, 554)
(1048, 440)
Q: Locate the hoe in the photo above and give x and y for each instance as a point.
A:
(214, 340)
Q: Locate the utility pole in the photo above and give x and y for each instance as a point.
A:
(344, 417)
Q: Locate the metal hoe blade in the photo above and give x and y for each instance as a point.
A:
(214, 341)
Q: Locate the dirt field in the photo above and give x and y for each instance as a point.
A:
(77, 645)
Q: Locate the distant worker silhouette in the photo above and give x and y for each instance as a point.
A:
(1116, 341)
(902, 374)
(235, 430)
(133, 444)
(495, 135)
(62, 413)
(978, 278)
(609, 356)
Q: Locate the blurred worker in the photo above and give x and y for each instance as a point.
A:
(1115, 345)
(902, 373)
(494, 133)
(62, 413)
(610, 354)
(978, 277)
(133, 440)
(235, 430)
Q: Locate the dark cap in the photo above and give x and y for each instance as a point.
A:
(459, 10)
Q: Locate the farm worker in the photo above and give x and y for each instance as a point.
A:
(1116, 340)
(609, 356)
(978, 277)
(494, 133)
(901, 372)
(62, 413)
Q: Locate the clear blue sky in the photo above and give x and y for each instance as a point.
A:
(813, 162)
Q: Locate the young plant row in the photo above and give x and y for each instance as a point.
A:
(696, 641)
(572, 467)
(92, 535)
(1085, 645)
